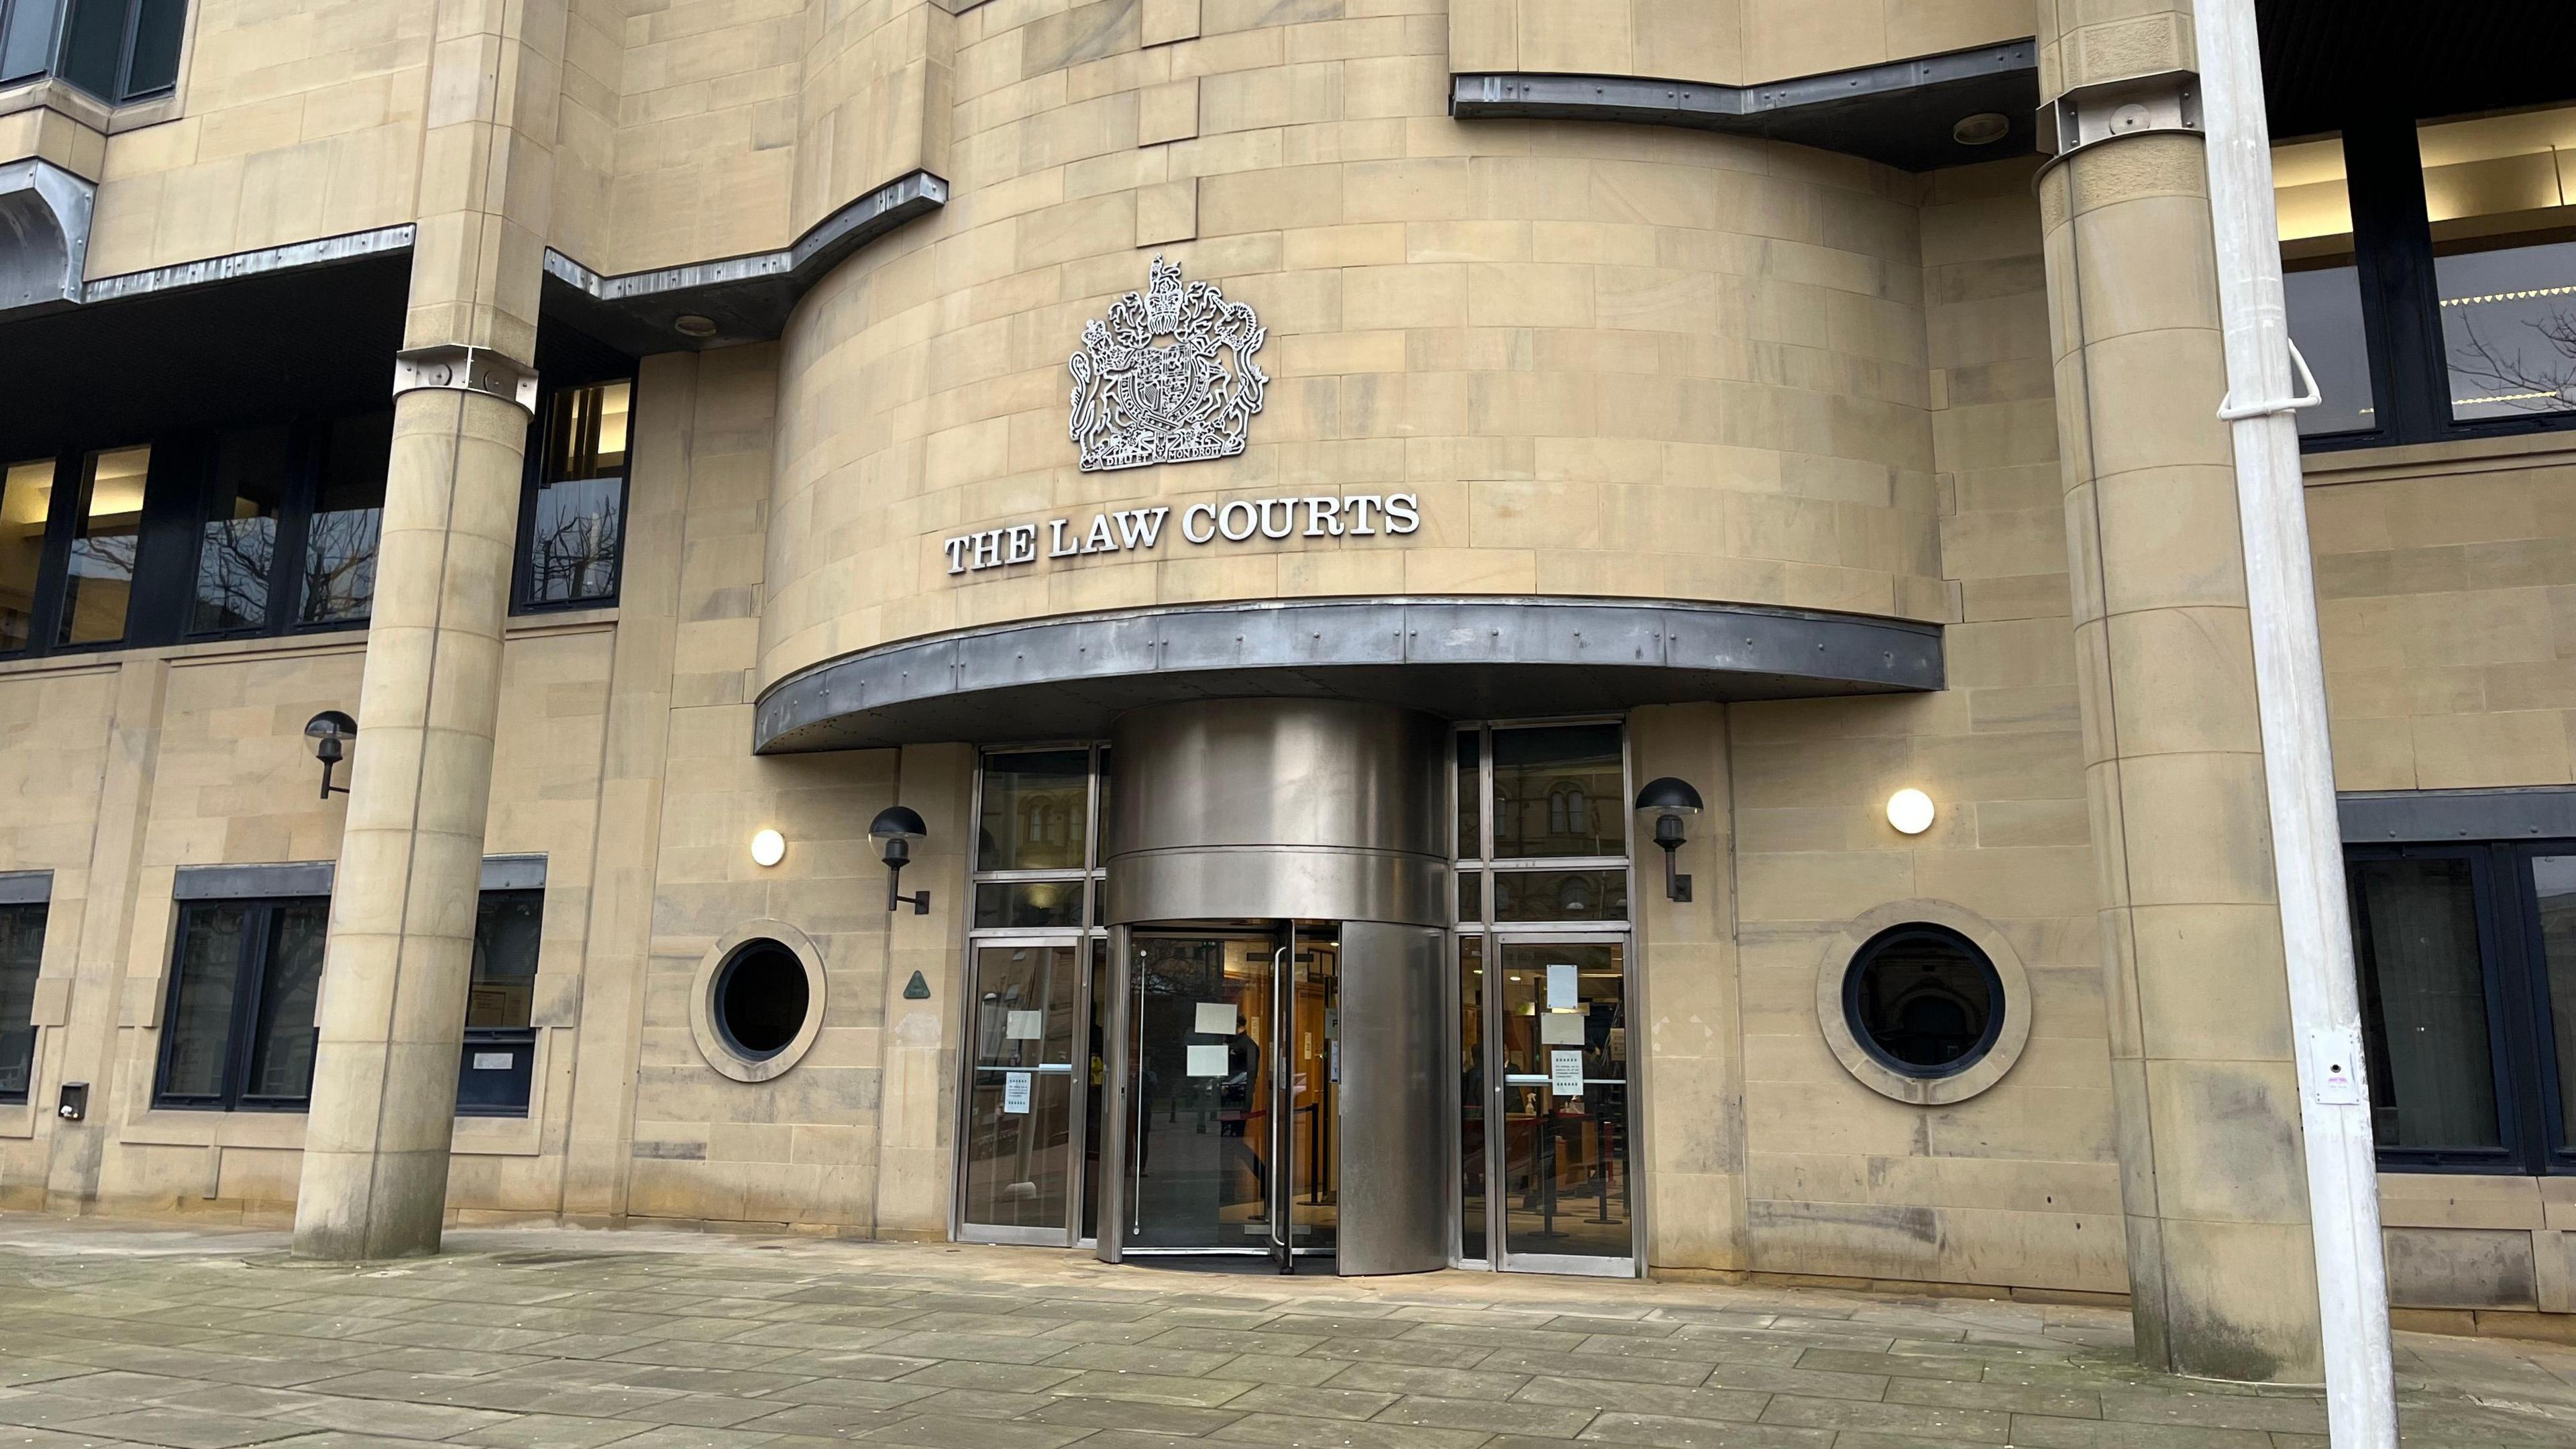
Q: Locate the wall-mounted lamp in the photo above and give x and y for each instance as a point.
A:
(894, 830)
(1668, 800)
(768, 848)
(331, 731)
(1910, 811)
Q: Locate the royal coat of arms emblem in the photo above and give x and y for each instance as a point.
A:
(1167, 376)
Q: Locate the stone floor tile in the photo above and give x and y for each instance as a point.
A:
(1488, 1415)
(2040, 1431)
(1858, 1361)
(1402, 1350)
(1108, 1413)
(1312, 1403)
(550, 1431)
(951, 1432)
(1967, 1426)
(1152, 1359)
(1406, 1378)
(975, 1404)
(1002, 1378)
(186, 1429)
(849, 1393)
(2302, 1415)
(1153, 1388)
(1298, 1432)
(39, 1409)
(402, 1421)
(1669, 1400)
(2008, 1398)
(1817, 1383)
(973, 1347)
(16, 1437)
(1271, 1368)
(1230, 1340)
(691, 1436)
(836, 1421)
(1619, 1367)
(1669, 1433)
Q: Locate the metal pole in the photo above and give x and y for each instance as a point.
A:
(2289, 683)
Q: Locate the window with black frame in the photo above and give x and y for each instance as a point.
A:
(500, 1044)
(2466, 956)
(22, 950)
(117, 50)
(264, 529)
(2429, 269)
(237, 1033)
(573, 520)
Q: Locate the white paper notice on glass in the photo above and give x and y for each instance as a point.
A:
(1618, 1043)
(1560, 1028)
(1025, 1025)
(1565, 1073)
(1213, 1018)
(491, 1061)
(1207, 1061)
(1015, 1091)
(1560, 987)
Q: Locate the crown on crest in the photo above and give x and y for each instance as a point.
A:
(1163, 299)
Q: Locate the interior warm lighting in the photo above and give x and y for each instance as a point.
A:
(768, 847)
(1910, 811)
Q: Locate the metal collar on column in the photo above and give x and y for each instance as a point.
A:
(458, 368)
(2086, 116)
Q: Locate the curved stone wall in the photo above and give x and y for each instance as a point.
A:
(1597, 361)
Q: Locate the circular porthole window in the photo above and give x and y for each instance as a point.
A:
(1923, 1002)
(760, 999)
(757, 1003)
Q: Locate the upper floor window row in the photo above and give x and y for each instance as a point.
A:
(117, 50)
(275, 528)
(2430, 274)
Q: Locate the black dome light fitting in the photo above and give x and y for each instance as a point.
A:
(894, 830)
(1668, 800)
(331, 732)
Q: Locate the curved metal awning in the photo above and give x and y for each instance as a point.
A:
(1464, 658)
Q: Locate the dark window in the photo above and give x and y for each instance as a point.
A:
(576, 506)
(1923, 1000)
(237, 546)
(252, 530)
(1559, 790)
(494, 1078)
(239, 1030)
(348, 513)
(117, 50)
(26, 502)
(1037, 812)
(2430, 275)
(22, 949)
(760, 999)
(106, 534)
(2466, 956)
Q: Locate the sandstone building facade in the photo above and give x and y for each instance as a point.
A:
(650, 441)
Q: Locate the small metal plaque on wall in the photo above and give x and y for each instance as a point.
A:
(1167, 376)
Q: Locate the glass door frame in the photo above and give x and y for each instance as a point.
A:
(1475, 859)
(1282, 937)
(1076, 1139)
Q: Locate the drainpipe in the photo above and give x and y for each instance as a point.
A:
(2298, 770)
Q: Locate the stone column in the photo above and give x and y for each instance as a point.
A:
(2221, 1270)
(400, 956)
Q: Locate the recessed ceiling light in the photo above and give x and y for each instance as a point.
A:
(690, 324)
(1984, 128)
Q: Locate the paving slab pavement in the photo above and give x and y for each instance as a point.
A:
(119, 1334)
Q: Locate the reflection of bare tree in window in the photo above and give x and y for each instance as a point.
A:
(2546, 384)
(340, 565)
(232, 574)
(573, 554)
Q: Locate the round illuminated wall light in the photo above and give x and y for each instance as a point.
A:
(768, 848)
(1984, 128)
(1910, 811)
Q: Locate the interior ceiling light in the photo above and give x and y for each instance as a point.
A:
(690, 324)
(1984, 128)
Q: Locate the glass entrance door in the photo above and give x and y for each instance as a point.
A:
(1234, 1068)
(1559, 1191)
(1023, 1093)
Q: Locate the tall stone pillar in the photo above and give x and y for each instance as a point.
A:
(2221, 1268)
(395, 975)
